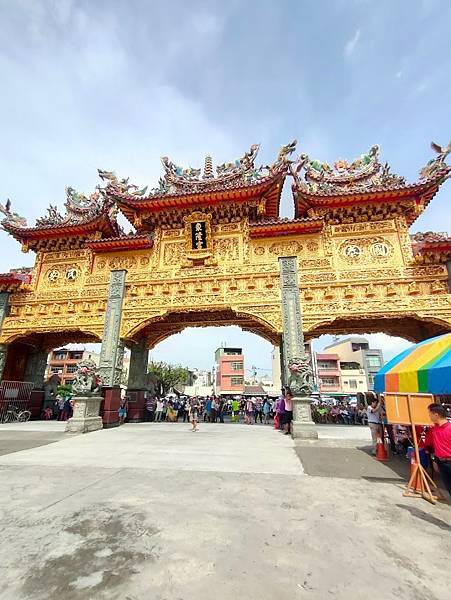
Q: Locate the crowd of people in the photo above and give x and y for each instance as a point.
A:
(211, 409)
(61, 410)
(343, 413)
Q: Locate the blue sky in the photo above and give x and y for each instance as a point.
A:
(110, 84)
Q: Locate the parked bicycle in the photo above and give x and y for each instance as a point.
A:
(16, 414)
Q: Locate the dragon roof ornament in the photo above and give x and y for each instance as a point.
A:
(430, 237)
(79, 209)
(364, 174)
(176, 179)
(11, 218)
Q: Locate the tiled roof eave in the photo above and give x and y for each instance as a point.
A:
(30, 233)
(387, 193)
(169, 200)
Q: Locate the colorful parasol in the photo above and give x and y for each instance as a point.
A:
(424, 368)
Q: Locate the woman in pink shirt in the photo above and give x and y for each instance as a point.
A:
(288, 411)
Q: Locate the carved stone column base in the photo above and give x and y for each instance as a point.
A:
(86, 415)
(304, 431)
(302, 426)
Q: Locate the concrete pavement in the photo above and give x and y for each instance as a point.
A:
(154, 511)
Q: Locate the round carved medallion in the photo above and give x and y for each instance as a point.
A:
(53, 275)
(352, 251)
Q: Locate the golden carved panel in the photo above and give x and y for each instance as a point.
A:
(70, 287)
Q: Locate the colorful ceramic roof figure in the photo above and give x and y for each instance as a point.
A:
(15, 279)
(364, 188)
(424, 368)
(85, 217)
(231, 183)
(431, 247)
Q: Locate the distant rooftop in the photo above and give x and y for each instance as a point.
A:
(354, 339)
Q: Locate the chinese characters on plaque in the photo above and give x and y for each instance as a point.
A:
(198, 235)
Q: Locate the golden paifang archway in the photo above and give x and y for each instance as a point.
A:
(205, 249)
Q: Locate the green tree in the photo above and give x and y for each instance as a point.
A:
(167, 376)
(64, 390)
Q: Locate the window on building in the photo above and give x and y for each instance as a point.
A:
(327, 365)
(68, 382)
(329, 380)
(373, 361)
(353, 384)
(350, 366)
(236, 380)
(359, 346)
(237, 366)
(71, 368)
(76, 355)
(55, 369)
(60, 356)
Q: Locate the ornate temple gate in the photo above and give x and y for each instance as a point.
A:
(206, 251)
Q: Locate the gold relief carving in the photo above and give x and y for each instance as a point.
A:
(391, 290)
(329, 293)
(282, 248)
(227, 227)
(438, 287)
(370, 290)
(379, 226)
(251, 284)
(269, 282)
(259, 250)
(227, 249)
(369, 250)
(173, 253)
(413, 288)
(171, 234)
(315, 263)
(348, 292)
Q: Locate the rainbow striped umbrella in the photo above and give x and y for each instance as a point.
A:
(424, 367)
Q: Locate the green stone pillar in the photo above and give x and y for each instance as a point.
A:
(35, 367)
(297, 370)
(112, 350)
(4, 299)
(139, 359)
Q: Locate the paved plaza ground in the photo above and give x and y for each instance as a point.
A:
(154, 512)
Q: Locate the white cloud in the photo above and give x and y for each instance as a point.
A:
(351, 44)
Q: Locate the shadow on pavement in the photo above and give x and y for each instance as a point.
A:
(424, 516)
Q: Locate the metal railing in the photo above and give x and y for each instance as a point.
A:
(14, 400)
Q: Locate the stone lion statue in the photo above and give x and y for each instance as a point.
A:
(87, 381)
(301, 375)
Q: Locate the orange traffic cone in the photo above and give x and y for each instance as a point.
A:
(415, 481)
(381, 452)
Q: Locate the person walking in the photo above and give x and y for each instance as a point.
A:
(214, 410)
(374, 422)
(249, 411)
(266, 408)
(221, 403)
(159, 411)
(288, 411)
(438, 440)
(280, 412)
(258, 409)
(235, 410)
(207, 412)
(149, 414)
(123, 409)
(194, 413)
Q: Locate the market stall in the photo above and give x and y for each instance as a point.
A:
(410, 382)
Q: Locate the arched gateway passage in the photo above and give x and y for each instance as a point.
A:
(208, 246)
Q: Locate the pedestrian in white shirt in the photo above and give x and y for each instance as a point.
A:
(159, 411)
(374, 421)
